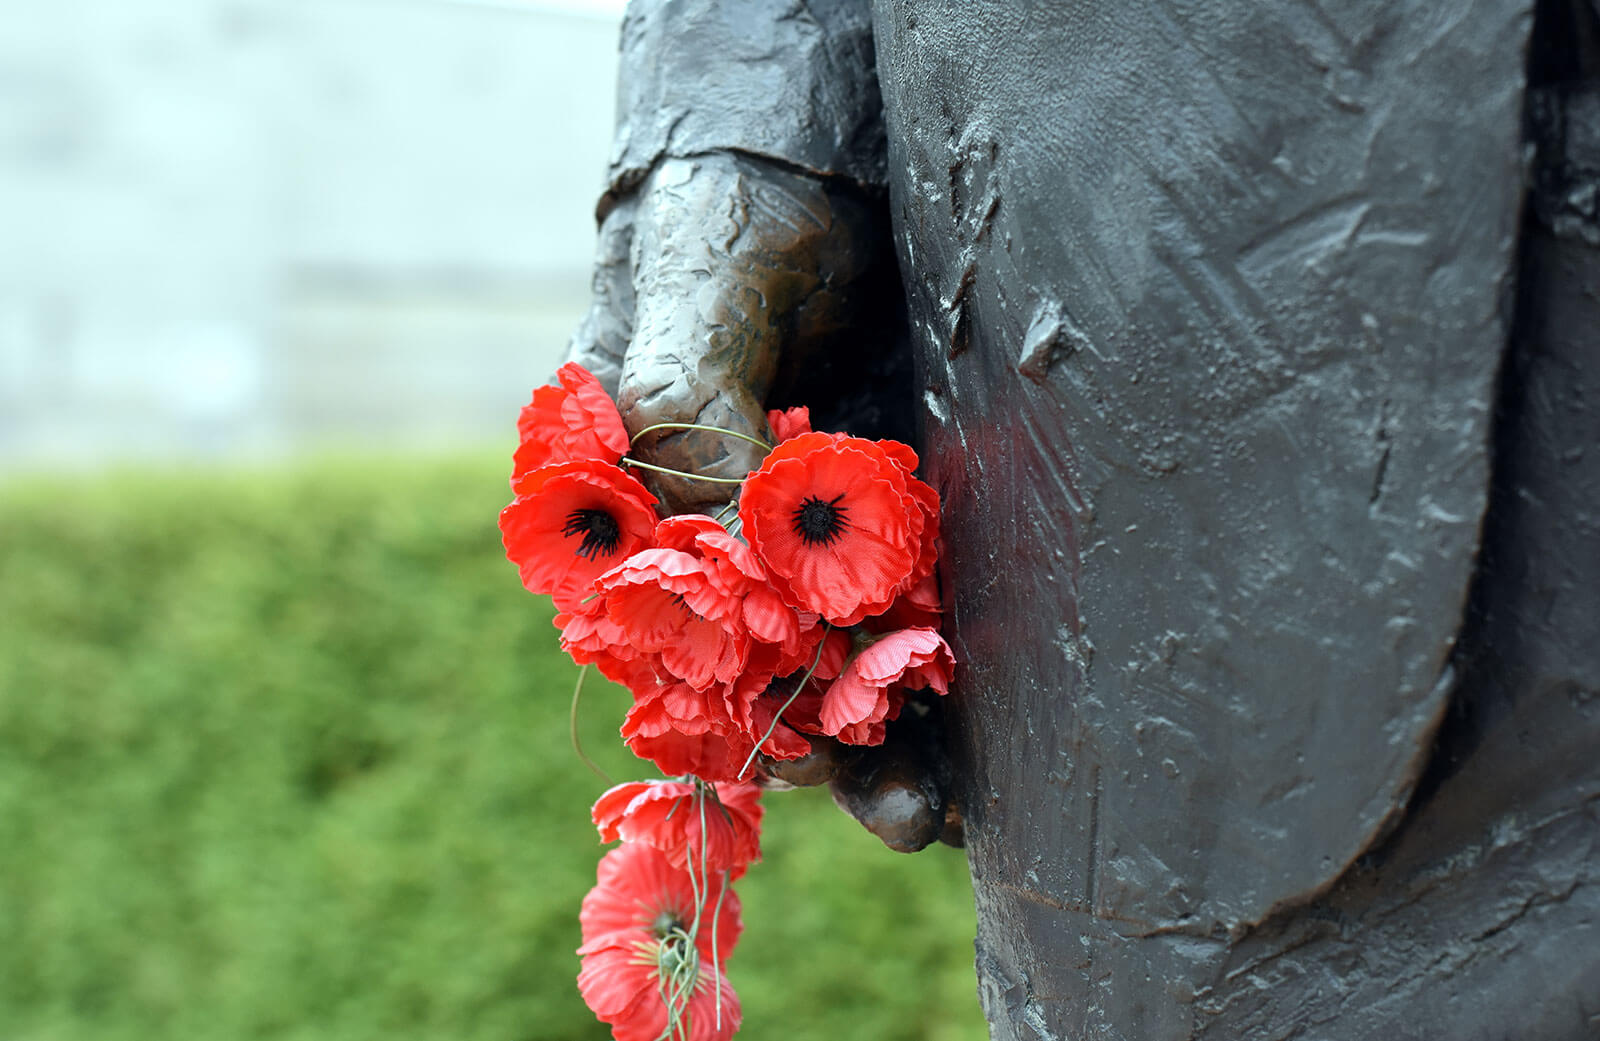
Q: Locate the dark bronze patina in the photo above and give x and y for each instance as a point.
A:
(1257, 362)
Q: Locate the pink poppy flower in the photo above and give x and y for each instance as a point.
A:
(871, 689)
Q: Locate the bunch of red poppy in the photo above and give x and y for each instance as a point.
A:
(808, 606)
(662, 919)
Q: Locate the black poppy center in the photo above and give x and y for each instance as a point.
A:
(820, 523)
(599, 529)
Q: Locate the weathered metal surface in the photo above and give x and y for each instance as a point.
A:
(1210, 303)
(1209, 323)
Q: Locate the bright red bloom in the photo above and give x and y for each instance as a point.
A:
(572, 522)
(737, 572)
(668, 605)
(840, 524)
(791, 422)
(576, 420)
(641, 950)
(695, 831)
(696, 608)
(715, 746)
(871, 689)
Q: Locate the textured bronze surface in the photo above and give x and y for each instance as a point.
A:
(1265, 417)
(735, 262)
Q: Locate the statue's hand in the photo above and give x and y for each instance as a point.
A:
(899, 791)
(720, 275)
(721, 270)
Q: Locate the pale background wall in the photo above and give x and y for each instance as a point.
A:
(241, 228)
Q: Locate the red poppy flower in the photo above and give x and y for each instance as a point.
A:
(733, 566)
(800, 706)
(576, 420)
(709, 755)
(871, 689)
(836, 523)
(662, 703)
(647, 970)
(695, 608)
(716, 750)
(791, 422)
(927, 501)
(667, 605)
(572, 522)
(695, 831)
(590, 637)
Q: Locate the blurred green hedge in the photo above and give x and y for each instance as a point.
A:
(284, 755)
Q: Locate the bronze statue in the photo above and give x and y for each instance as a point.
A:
(1256, 358)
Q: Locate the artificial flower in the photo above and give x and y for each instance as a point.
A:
(738, 573)
(653, 958)
(668, 606)
(696, 829)
(713, 749)
(836, 523)
(576, 420)
(572, 522)
(697, 607)
(799, 705)
(871, 689)
(789, 422)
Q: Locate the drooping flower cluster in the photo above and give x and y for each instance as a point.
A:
(662, 919)
(807, 606)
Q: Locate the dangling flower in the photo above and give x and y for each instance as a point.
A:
(653, 960)
(837, 524)
(576, 420)
(871, 689)
(714, 746)
(572, 522)
(695, 830)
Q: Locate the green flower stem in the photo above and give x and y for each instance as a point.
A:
(826, 628)
(572, 725)
(716, 963)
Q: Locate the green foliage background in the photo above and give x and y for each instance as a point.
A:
(284, 755)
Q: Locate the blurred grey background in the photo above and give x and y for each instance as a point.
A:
(244, 228)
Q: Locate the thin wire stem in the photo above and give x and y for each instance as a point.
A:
(826, 628)
(700, 426)
(680, 473)
(716, 963)
(572, 727)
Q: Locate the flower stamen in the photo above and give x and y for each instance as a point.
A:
(601, 532)
(820, 523)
